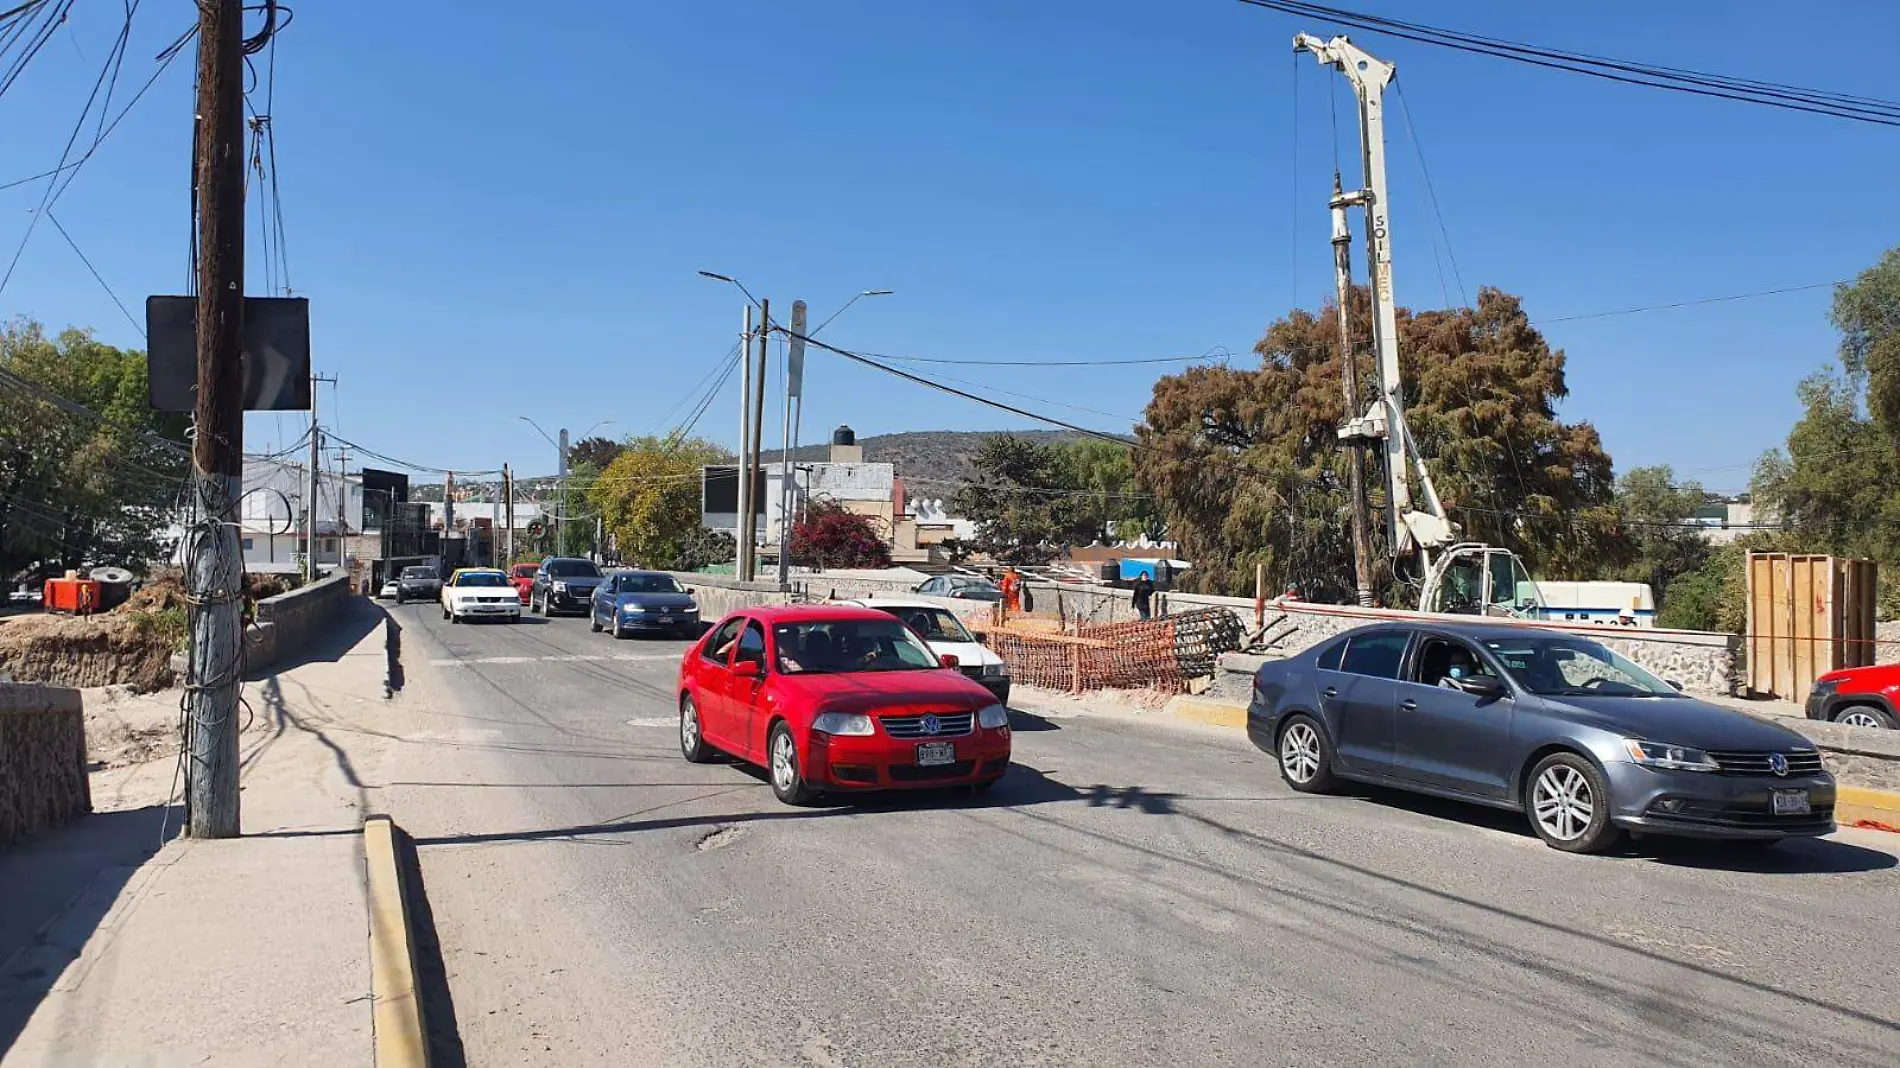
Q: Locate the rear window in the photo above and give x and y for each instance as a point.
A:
(1377, 655)
(526, 570)
(572, 569)
(1328, 659)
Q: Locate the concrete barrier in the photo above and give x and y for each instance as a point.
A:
(43, 781)
(287, 622)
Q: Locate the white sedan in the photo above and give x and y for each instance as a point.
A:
(944, 633)
(480, 593)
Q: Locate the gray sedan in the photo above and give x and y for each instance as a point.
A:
(1582, 740)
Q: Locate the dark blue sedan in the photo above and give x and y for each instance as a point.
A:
(644, 602)
(1583, 741)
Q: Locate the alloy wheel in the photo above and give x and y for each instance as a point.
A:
(1859, 718)
(689, 726)
(1299, 752)
(784, 763)
(1563, 803)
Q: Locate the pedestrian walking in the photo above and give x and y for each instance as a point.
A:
(1012, 587)
(1143, 591)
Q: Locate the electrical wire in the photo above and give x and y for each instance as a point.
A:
(1676, 79)
(1220, 352)
(136, 325)
(1418, 149)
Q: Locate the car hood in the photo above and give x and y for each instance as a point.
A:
(656, 600)
(1680, 720)
(866, 691)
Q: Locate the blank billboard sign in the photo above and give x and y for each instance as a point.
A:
(719, 490)
(276, 353)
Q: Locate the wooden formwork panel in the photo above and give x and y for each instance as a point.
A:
(1806, 615)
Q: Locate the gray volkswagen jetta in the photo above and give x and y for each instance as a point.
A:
(1587, 744)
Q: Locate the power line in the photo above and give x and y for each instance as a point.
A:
(1418, 148)
(1220, 352)
(1690, 303)
(136, 325)
(1676, 79)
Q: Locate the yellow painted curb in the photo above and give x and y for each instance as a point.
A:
(1853, 804)
(1212, 713)
(397, 1012)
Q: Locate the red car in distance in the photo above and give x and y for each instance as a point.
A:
(1858, 697)
(833, 698)
(521, 577)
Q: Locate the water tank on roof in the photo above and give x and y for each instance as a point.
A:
(844, 435)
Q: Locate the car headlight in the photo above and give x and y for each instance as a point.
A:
(995, 671)
(993, 716)
(692, 606)
(633, 608)
(850, 724)
(560, 587)
(1669, 757)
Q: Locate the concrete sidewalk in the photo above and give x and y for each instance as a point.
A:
(246, 951)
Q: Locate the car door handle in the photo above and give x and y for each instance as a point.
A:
(1409, 705)
(1330, 691)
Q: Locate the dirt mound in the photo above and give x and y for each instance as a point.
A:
(132, 649)
(164, 590)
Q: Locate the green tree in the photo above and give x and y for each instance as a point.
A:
(1654, 510)
(1867, 313)
(649, 499)
(75, 489)
(1103, 474)
(1027, 502)
(1246, 467)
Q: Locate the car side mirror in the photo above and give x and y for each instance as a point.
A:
(690, 591)
(949, 660)
(1487, 687)
(749, 668)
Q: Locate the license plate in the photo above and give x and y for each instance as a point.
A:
(933, 753)
(1792, 803)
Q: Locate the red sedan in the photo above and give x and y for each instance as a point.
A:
(834, 697)
(521, 577)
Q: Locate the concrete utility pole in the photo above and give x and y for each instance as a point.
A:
(342, 504)
(560, 496)
(794, 388)
(742, 564)
(1349, 385)
(215, 562)
(448, 508)
(750, 527)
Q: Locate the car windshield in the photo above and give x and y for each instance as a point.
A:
(526, 570)
(933, 624)
(482, 578)
(847, 646)
(648, 584)
(418, 572)
(572, 569)
(1559, 666)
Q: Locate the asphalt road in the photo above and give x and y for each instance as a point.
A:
(1133, 893)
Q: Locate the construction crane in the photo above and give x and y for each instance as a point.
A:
(1456, 576)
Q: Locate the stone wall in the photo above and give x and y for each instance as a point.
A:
(43, 780)
(287, 622)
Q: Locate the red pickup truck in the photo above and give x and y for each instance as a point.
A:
(521, 576)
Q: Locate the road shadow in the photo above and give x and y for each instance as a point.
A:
(394, 678)
(59, 885)
(432, 974)
(355, 619)
(1029, 722)
(1792, 856)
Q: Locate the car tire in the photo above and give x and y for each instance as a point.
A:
(1567, 801)
(692, 736)
(593, 623)
(445, 614)
(1305, 755)
(1864, 716)
(620, 632)
(782, 768)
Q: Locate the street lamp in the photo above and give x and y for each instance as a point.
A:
(847, 307)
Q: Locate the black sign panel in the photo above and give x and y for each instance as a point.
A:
(276, 353)
(381, 490)
(719, 490)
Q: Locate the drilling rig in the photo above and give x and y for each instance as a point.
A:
(1455, 576)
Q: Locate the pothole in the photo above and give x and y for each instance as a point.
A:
(718, 838)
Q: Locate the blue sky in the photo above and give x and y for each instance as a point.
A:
(498, 210)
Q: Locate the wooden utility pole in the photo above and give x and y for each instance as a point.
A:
(508, 511)
(742, 561)
(215, 562)
(748, 525)
(1349, 385)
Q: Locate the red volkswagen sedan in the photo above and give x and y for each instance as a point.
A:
(834, 697)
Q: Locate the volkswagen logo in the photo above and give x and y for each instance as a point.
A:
(931, 725)
(1778, 764)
